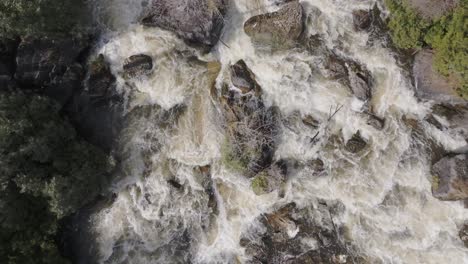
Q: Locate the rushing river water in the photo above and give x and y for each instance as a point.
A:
(175, 130)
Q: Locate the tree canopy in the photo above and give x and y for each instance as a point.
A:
(46, 172)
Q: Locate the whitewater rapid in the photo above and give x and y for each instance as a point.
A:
(176, 131)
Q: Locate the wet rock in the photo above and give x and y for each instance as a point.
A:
(430, 84)
(270, 179)
(428, 145)
(243, 78)
(370, 21)
(450, 178)
(196, 21)
(301, 235)
(7, 61)
(97, 111)
(278, 28)
(310, 121)
(456, 115)
(41, 60)
(101, 80)
(375, 121)
(463, 234)
(362, 19)
(356, 144)
(315, 45)
(351, 74)
(137, 65)
(251, 129)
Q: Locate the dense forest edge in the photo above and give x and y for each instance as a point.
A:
(52, 163)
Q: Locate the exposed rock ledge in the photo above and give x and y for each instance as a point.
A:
(429, 83)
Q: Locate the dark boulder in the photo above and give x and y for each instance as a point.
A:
(279, 28)
(370, 21)
(351, 74)
(196, 21)
(375, 121)
(38, 61)
(137, 65)
(356, 144)
(450, 178)
(362, 19)
(243, 78)
(97, 110)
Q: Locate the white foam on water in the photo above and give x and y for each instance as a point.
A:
(390, 211)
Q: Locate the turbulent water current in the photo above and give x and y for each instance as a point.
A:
(162, 213)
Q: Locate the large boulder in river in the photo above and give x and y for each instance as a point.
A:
(278, 28)
(38, 61)
(136, 65)
(430, 84)
(196, 21)
(450, 178)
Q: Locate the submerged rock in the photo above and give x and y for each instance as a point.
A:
(463, 234)
(301, 235)
(450, 178)
(278, 28)
(196, 21)
(101, 80)
(136, 65)
(356, 144)
(40, 60)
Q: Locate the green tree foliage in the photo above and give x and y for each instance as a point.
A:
(46, 173)
(43, 17)
(446, 35)
(406, 25)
